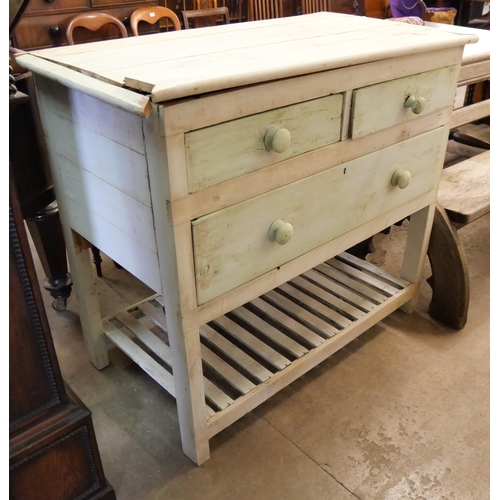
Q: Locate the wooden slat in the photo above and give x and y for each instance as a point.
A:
(156, 315)
(353, 284)
(341, 291)
(234, 353)
(261, 317)
(253, 343)
(341, 306)
(372, 269)
(384, 288)
(215, 395)
(471, 113)
(226, 371)
(291, 324)
(271, 332)
(283, 378)
(316, 305)
(136, 354)
(162, 350)
(319, 325)
(147, 337)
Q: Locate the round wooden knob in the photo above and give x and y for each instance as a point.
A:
(55, 30)
(401, 178)
(280, 232)
(277, 139)
(417, 104)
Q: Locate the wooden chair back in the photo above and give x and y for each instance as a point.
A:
(311, 6)
(153, 15)
(356, 7)
(205, 17)
(93, 21)
(264, 9)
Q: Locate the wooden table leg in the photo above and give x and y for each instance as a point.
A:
(46, 233)
(450, 273)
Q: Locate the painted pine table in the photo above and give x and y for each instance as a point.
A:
(229, 168)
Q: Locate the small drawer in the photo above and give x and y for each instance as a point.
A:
(42, 31)
(387, 104)
(234, 245)
(227, 150)
(54, 6)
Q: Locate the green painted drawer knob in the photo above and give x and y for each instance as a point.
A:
(401, 178)
(417, 104)
(277, 139)
(280, 232)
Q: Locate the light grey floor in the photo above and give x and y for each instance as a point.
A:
(401, 413)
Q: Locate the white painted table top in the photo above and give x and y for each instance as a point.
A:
(190, 62)
(475, 52)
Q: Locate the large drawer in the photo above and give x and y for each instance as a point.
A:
(227, 150)
(387, 104)
(45, 6)
(232, 246)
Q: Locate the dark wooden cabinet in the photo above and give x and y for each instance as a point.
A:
(53, 453)
(44, 22)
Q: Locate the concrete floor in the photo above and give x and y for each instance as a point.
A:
(401, 413)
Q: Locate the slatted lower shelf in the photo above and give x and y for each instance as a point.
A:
(266, 337)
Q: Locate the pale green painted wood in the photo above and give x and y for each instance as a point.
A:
(216, 154)
(231, 246)
(382, 105)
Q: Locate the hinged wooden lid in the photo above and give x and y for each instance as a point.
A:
(183, 63)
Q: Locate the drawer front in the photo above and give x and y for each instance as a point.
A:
(232, 246)
(384, 105)
(227, 150)
(49, 6)
(50, 31)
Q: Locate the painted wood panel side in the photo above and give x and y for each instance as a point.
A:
(232, 246)
(119, 246)
(110, 161)
(98, 197)
(71, 192)
(93, 114)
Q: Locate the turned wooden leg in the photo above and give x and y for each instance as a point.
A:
(46, 233)
(97, 260)
(450, 274)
